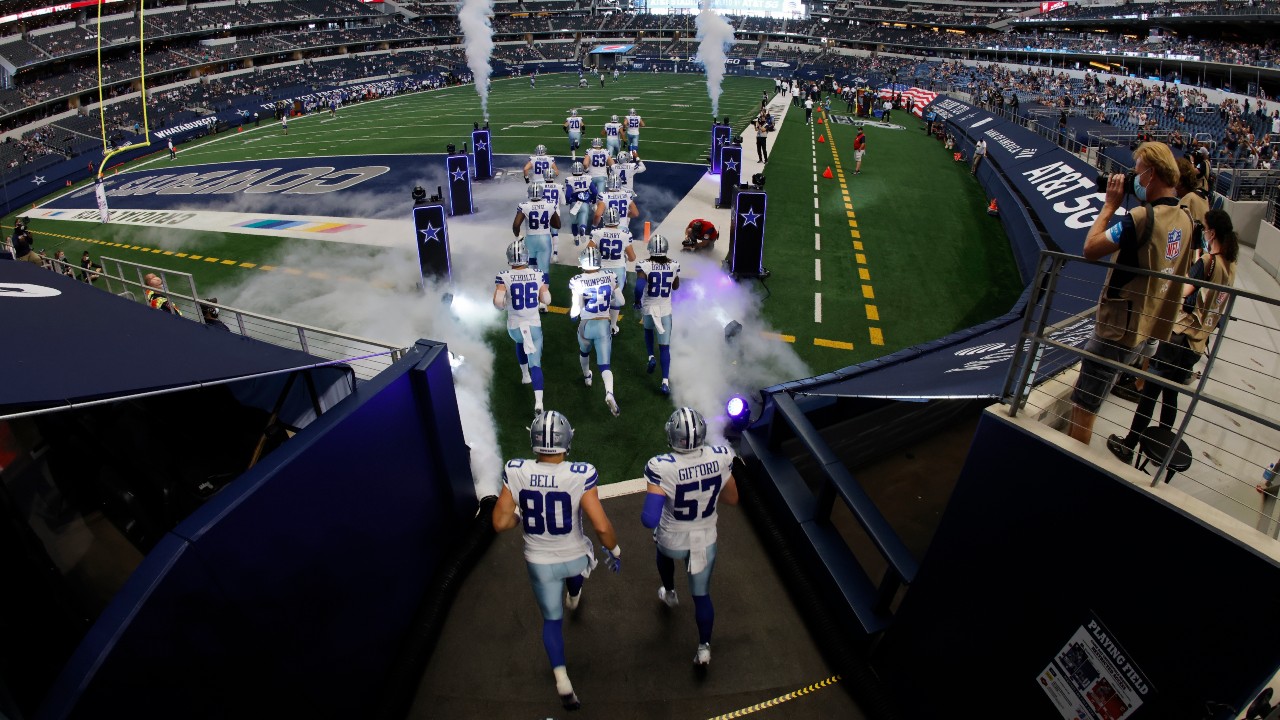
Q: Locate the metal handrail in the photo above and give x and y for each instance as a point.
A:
(320, 342)
(1244, 438)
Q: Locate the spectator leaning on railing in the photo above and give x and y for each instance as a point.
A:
(1132, 307)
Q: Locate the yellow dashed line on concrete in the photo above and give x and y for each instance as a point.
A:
(758, 707)
(877, 338)
(873, 313)
(181, 255)
(212, 260)
(248, 265)
(228, 262)
(868, 292)
(864, 274)
(837, 344)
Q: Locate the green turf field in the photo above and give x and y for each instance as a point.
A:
(930, 260)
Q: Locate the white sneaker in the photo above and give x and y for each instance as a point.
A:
(571, 601)
(703, 656)
(668, 597)
(586, 379)
(612, 403)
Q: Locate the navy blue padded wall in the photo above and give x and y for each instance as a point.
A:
(1032, 543)
(288, 594)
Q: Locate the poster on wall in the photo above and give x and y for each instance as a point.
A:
(1093, 678)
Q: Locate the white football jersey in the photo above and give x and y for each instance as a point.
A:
(537, 216)
(613, 243)
(548, 499)
(553, 194)
(574, 123)
(540, 167)
(658, 278)
(612, 130)
(522, 295)
(597, 162)
(627, 171)
(619, 200)
(592, 294)
(692, 482)
(633, 124)
(579, 188)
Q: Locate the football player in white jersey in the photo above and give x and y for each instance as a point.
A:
(656, 278)
(685, 486)
(580, 194)
(541, 166)
(616, 197)
(616, 252)
(536, 218)
(598, 162)
(612, 135)
(548, 496)
(554, 194)
(633, 124)
(628, 166)
(594, 295)
(523, 292)
(573, 125)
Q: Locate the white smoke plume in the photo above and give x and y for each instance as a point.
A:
(477, 33)
(715, 35)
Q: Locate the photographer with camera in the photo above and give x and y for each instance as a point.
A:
(1132, 307)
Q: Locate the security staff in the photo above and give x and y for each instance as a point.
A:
(1133, 307)
(157, 299)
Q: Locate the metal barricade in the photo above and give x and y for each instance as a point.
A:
(1230, 419)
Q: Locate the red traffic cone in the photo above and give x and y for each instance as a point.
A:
(819, 120)
(821, 139)
(240, 129)
(992, 209)
(827, 173)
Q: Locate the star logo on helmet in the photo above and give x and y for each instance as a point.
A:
(750, 217)
(458, 175)
(431, 234)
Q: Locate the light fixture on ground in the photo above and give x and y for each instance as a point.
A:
(739, 412)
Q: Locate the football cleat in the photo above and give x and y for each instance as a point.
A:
(703, 656)
(666, 387)
(668, 597)
(612, 402)
(586, 379)
(653, 363)
(571, 601)
(570, 702)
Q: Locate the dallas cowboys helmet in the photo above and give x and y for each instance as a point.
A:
(658, 246)
(540, 150)
(589, 258)
(597, 143)
(613, 118)
(536, 189)
(686, 430)
(550, 433)
(578, 168)
(612, 182)
(573, 111)
(632, 111)
(518, 253)
(611, 216)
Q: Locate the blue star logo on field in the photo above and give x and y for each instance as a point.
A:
(750, 216)
(482, 145)
(38, 180)
(431, 234)
(458, 175)
(731, 165)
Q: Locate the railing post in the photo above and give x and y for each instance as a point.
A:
(302, 338)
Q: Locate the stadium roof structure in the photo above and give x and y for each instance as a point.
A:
(67, 343)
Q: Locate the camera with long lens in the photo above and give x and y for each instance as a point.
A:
(1129, 177)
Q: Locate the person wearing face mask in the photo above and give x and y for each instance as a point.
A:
(1200, 313)
(1132, 307)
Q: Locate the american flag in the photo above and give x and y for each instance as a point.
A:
(916, 97)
